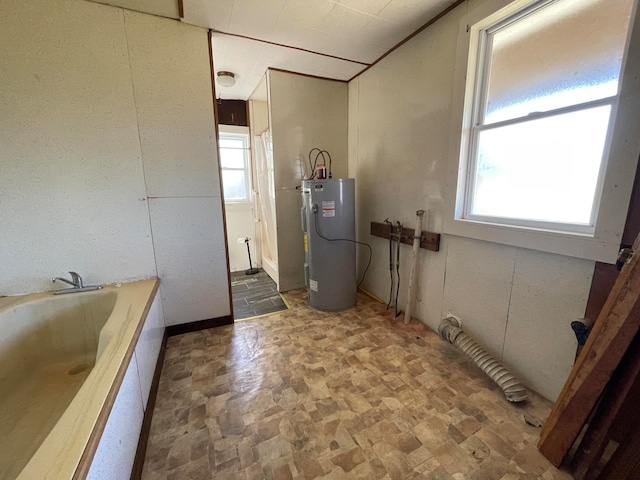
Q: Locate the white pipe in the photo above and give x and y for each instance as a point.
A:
(417, 237)
(450, 330)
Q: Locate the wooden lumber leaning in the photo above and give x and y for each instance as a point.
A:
(625, 463)
(619, 397)
(613, 332)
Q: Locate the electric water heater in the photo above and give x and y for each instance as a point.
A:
(328, 223)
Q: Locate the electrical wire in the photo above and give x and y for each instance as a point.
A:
(388, 222)
(321, 153)
(364, 274)
(398, 238)
(325, 162)
(312, 174)
(315, 163)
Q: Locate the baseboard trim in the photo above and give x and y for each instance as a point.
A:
(370, 295)
(141, 450)
(173, 330)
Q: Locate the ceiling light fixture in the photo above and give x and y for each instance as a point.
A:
(226, 79)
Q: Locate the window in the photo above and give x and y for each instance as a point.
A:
(234, 163)
(542, 90)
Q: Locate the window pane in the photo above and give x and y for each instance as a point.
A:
(233, 182)
(232, 158)
(566, 53)
(541, 170)
(228, 142)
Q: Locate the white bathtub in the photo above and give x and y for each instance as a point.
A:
(75, 375)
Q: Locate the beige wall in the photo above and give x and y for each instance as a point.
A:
(240, 224)
(108, 154)
(305, 112)
(259, 117)
(163, 8)
(518, 303)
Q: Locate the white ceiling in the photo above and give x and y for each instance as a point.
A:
(327, 38)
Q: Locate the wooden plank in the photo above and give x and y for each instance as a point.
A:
(613, 332)
(625, 462)
(623, 387)
(430, 240)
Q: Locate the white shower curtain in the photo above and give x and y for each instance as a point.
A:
(266, 196)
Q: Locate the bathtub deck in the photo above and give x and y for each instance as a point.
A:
(31, 409)
(305, 394)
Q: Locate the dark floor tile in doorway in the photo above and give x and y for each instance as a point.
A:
(254, 295)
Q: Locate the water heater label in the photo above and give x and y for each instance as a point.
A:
(313, 285)
(306, 243)
(329, 209)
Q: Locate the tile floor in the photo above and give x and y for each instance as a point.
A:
(305, 394)
(254, 295)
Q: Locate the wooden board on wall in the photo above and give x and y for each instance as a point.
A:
(429, 241)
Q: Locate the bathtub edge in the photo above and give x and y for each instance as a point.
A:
(93, 442)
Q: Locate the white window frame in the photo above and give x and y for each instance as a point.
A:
(599, 242)
(238, 132)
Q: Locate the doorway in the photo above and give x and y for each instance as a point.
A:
(246, 168)
(235, 168)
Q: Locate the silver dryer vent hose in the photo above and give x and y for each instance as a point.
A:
(510, 385)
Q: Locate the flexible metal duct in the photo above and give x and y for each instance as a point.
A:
(514, 391)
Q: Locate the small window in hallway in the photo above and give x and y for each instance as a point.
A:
(234, 163)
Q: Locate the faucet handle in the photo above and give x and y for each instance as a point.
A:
(77, 279)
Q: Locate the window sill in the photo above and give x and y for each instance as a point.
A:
(568, 244)
(231, 205)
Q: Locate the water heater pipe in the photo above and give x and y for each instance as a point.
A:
(417, 237)
(398, 241)
(450, 330)
(390, 225)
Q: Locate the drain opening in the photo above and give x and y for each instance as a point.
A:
(78, 369)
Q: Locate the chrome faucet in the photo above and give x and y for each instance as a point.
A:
(76, 283)
(76, 280)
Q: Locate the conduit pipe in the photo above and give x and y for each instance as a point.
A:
(398, 242)
(417, 237)
(449, 329)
